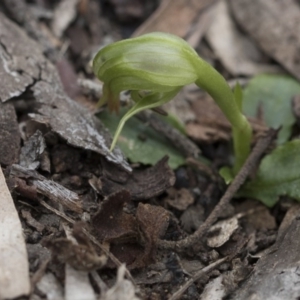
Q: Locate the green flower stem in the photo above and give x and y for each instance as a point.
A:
(216, 86)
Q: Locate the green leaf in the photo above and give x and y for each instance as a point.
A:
(140, 143)
(272, 94)
(174, 122)
(278, 175)
(226, 174)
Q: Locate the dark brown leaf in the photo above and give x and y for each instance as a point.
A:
(111, 223)
(153, 222)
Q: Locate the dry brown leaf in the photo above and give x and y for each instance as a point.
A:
(127, 233)
(111, 223)
(173, 16)
(237, 53)
(262, 219)
(153, 222)
(211, 124)
(118, 228)
(275, 26)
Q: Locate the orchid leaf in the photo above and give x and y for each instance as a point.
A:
(272, 95)
(278, 175)
(140, 143)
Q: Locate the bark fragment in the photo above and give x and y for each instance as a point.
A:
(277, 272)
(143, 184)
(48, 188)
(9, 134)
(24, 68)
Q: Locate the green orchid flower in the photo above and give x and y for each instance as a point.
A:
(154, 67)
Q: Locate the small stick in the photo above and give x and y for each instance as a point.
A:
(208, 269)
(240, 178)
(198, 275)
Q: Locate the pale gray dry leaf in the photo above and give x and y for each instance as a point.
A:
(13, 82)
(51, 287)
(173, 16)
(77, 285)
(276, 275)
(198, 28)
(24, 68)
(14, 275)
(275, 26)
(292, 213)
(191, 266)
(20, 12)
(64, 14)
(224, 229)
(123, 289)
(214, 290)
(237, 53)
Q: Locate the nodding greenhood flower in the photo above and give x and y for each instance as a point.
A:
(154, 67)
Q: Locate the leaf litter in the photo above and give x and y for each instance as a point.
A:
(61, 174)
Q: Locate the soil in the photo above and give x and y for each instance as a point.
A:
(85, 211)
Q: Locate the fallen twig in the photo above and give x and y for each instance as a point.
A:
(197, 276)
(241, 177)
(208, 269)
